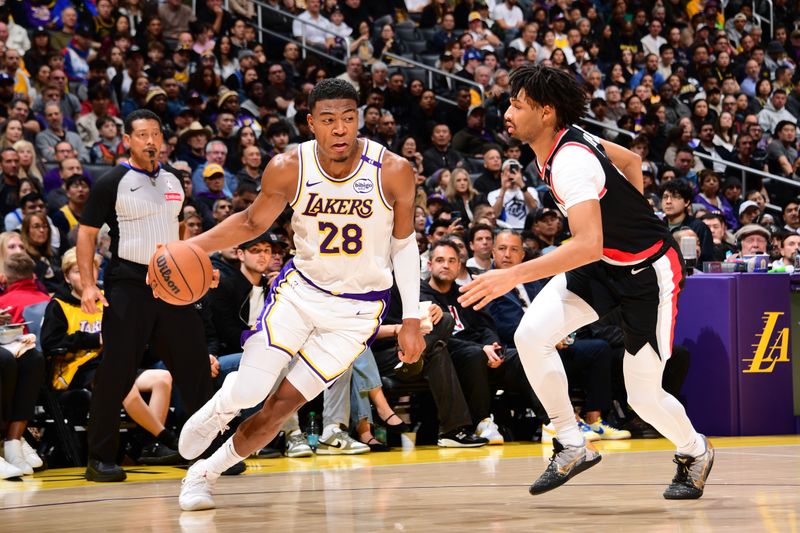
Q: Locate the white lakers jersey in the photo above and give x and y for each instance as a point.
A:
(343, 228)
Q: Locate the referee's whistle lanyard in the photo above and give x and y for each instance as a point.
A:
(152, 175)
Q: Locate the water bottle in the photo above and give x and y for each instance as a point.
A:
(312, 431)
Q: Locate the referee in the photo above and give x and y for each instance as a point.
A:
(141, 202)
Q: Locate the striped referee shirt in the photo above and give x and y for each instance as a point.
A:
(141, 208)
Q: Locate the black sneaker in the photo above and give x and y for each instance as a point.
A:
(102, 472)
(566, 462)
(690, 479)
(236, 469)
(267, 452)
(159, 454)
(461, 438)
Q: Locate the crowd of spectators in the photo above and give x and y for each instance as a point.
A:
(690, 86)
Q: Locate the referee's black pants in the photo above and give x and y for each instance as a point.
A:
(133, 320)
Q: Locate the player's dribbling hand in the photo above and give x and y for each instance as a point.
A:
(410, 341)
(485, 288)
(90, 297)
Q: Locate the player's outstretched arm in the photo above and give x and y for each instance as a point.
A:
(278, 187)
(585, 246)
(629, 163)
(398, 183)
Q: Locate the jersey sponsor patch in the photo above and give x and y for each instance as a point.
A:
(363, 186)
(172, 196)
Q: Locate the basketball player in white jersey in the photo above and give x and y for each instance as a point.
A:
(620, 254)
(353, 224)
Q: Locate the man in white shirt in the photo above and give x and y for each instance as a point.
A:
(527, 39)
(509, 17)
(321, 34)
(653, 40)
(513, 200)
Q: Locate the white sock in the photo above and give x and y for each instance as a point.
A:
(696, 449)
(329, 430)
(222, 459)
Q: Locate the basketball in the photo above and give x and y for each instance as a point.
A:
(180, 273)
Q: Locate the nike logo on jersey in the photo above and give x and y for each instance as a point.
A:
(134, 189)
(309, 184)
(635, 271)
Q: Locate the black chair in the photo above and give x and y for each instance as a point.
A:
(417, 47)
(427, 33)
(407, 34)
(428, 59)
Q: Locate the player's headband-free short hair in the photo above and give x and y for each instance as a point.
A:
(332, 89)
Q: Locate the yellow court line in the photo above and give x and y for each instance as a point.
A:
(73, 477)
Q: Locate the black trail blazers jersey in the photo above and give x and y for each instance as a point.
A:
(631, 231)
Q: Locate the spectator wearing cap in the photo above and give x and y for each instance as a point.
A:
(214, 178)
(472, 60)
(236, 303)
(76, 59)
(736, 28)
(192, 143)
(513, 200)
(775, 111)
(752, 239)
(247, 60)
(69, 23)
(216, 152)
(446, 85)
(775, 56)
(782, 151)
(175, 18)
(47, 139)
(545, 225)
(36, 55)
(100, 100)
(475, 138)
(676, 199)
(156, 101)
(748, 212)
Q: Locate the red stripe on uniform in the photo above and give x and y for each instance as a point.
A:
(627, 257)
(677, 274)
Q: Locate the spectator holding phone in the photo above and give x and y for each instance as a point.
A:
(513, 200)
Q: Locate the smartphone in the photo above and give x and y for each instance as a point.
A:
(501, 352)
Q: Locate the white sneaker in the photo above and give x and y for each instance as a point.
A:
(7, 470)
(196, 489)
(489, 431)
(340, 443)
(203, 426)
(31, 457)
(297, 445)
(548, 433)
(13, 454)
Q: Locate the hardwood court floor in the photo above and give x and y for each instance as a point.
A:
(755, 486)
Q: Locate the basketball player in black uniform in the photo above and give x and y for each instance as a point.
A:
(620, 254)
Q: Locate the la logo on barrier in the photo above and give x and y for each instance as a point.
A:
(770, 344)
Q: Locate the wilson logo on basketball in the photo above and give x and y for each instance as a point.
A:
(172, 196)
(166, 274)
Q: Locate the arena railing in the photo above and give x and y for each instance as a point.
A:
(760, 19)
(305, 47)
(743, 169)
(433, 71)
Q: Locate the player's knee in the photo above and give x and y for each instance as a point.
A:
(248, 392)
(529, 338)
